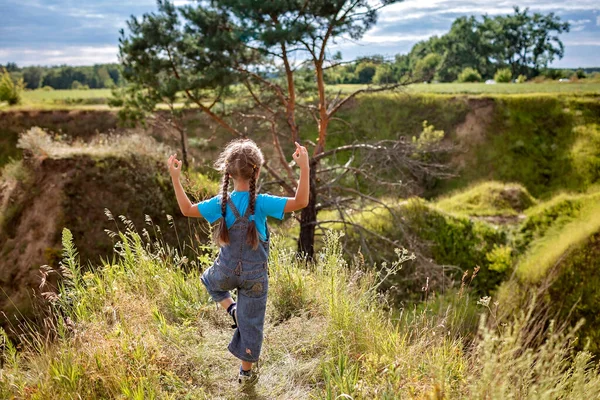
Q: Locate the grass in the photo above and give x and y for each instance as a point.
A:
(488, 199)
(142, 327)
(42, 144)
(499, 88)
(557, 240)
(71, 97)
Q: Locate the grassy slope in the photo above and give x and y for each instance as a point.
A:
(554, 228)
(142, 328)
(488, 199)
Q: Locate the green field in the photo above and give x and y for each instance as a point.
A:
(69, 98)
(98, 98)
(592, 88)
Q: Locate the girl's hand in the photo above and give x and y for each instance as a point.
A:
(174, 166)
(301, 156)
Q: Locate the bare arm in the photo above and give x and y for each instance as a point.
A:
(185, 205)
(301, 199)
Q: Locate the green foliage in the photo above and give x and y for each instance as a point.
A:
(429, 136)
(500, 259)
(503, 75)
(521, 79)
(450, 240)
(456, 241)
(76, 85)
(366, 72)
(10, 91)
(469, 75)
(32, 77)
(426, 67)
(385, 74)
(580, 74)
(526, 43)
(488, 199)
(98, 76)
(63, 77)
(585, 153)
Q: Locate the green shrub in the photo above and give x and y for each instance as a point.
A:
(500, 258)
(521, 79)
(469, 75)
(384, 74)
(426, 67)
(428, 136)
(443, 238)
(503, 75)
(10, 91)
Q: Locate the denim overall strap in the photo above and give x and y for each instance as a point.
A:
(247, 213)
(233, 208)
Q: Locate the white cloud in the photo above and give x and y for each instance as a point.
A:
(72, 55)
(416, 9)
(579, 25)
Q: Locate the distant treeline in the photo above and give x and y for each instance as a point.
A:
(475, 49)
(518, 45)
(98, 76)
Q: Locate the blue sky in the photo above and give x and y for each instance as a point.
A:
(85, 32)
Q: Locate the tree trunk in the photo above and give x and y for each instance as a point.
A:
(308, 218)
(183, 141)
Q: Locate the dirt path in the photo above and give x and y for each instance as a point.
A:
(288, 367)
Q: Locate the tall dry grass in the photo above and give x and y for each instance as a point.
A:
(141, 326)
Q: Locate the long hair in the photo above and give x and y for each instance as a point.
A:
(241, 159)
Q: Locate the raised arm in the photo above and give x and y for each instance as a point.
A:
(301, 199)
(185, 205)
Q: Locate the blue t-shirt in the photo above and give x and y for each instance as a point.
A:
(266, 206)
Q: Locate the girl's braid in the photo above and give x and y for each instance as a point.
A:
(221, 235)
(252, 235)
(224, 193)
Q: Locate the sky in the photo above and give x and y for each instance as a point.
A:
(85, 32)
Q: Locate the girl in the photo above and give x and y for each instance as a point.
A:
(243, 238)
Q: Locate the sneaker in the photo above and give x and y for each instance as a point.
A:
(233, 312)
(247, 378)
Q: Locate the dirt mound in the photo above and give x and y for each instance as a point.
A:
(73, 193)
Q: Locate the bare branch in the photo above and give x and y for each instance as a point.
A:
(334, 107)
(290, 191)
(347, 148)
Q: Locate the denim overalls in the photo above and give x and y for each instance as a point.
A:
(240, 267)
